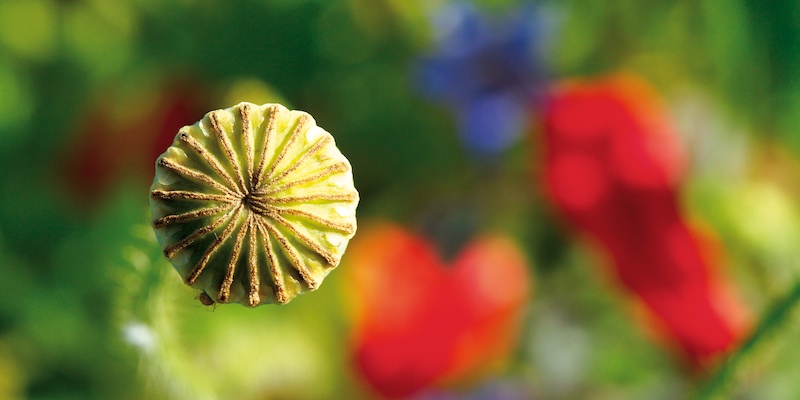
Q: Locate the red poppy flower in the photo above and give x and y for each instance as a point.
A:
(613, 166)
(419, 322)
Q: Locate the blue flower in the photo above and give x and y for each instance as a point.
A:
(487, 69)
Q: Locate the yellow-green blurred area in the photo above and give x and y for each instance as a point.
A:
(92, 91)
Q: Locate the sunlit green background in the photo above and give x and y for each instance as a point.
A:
(84, 289)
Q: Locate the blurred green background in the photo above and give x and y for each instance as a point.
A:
(92, 91)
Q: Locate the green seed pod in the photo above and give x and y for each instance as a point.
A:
(253, 204)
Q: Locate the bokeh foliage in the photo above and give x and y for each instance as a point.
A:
(77, 269)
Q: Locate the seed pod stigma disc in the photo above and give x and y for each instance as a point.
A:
(253, 204)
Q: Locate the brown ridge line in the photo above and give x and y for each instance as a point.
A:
(330, 170)
(188, 216)
(352, 196)
(187, 195)
(209, 158)
(294, 258)
(227, 148)
(302, 121)
(343, 227)
(253, 298)
(191, 278)
(170, 250)
(311, 151)
(275, 270)
(261, 208)
(247, 133)
(180, 169)
(308, 242)
(225, 288)
(269, 132)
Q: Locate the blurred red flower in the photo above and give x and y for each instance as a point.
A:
(124, 132)
(613, 166)
(419, 323)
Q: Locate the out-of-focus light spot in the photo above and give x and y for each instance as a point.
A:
(561, 352)
(136, 257)
(252, 90)
(28, 28)
(98, 37)
(771, 220)
(704, 127)
(15, 101)
(140, 336)
(12, 375)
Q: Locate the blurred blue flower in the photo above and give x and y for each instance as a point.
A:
(487, 69)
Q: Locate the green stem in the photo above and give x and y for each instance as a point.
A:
(774, 317)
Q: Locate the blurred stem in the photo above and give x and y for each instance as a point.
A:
(773, 319)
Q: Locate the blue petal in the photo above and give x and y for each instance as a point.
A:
(493, 122)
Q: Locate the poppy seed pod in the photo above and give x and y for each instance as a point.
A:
(253, 204)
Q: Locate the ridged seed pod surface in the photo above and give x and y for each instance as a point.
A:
(253, 204)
